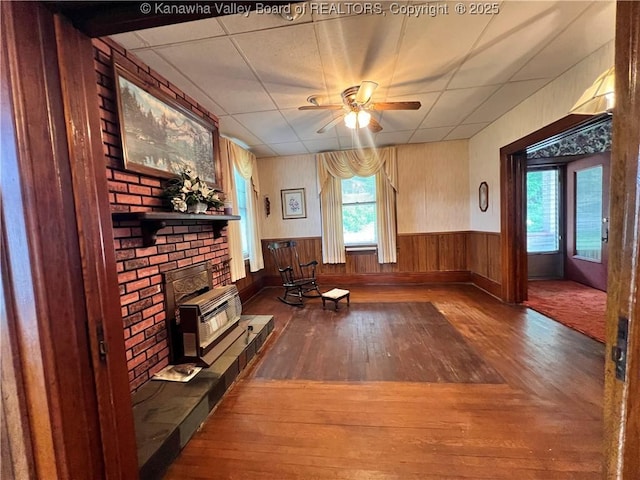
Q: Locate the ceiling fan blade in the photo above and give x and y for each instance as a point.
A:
(331, 124)
(374, 126)
(321, 107)
(365, 92)
(395, 106)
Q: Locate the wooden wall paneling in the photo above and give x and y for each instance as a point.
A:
(622, 398)
(494, 260)
(362, 262)
(479, 262)
(405, 251)
(452, 251)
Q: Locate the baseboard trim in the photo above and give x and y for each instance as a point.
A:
(486, 284)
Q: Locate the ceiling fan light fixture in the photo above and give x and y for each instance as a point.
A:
(351, 119)
(364, 118)
(359, 119)
(599, 97)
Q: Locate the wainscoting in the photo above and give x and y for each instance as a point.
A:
(422, 258)
(484, 261)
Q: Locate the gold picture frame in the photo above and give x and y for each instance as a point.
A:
(161, 137)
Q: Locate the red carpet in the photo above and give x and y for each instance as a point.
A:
(572, 304)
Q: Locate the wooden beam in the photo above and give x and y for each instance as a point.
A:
(97, 19)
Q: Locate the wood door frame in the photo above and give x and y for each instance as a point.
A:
(61, 269)
(513, 207)
(622, 398)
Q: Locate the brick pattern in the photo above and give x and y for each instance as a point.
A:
(178, 245)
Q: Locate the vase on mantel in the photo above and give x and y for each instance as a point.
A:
(199, 207)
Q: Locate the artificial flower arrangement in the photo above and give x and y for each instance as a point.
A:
(187, 191)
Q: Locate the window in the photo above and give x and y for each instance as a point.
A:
(589, 213)
(543, 198)
(241, 191)
(359, 210)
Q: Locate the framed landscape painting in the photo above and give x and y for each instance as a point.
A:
(159, 136)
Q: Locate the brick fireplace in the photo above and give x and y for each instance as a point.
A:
(179, 244)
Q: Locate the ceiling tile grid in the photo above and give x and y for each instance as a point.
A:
(254, 70)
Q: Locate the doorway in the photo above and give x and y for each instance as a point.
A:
(567, 209)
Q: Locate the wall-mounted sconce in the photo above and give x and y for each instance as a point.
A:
(267, 205)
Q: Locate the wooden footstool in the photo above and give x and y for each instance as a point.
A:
(336, 295)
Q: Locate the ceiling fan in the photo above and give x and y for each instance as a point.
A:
(356, 103)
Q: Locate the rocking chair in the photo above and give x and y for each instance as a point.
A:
(298, 279)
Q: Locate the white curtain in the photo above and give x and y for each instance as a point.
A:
(334, 166)
(233, 155)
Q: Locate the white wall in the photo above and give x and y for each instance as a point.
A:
(544, 107)
(433, 190)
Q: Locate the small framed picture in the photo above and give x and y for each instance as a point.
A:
(293, 204)
(483, 196)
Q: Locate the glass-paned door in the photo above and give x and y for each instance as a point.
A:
(588, 220)
(589, 214)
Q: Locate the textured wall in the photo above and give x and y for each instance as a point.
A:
(432, 180)
(544, 107)
(279, 173)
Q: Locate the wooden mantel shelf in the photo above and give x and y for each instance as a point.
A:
(151, 222)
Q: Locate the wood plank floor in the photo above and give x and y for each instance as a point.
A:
(540, 419)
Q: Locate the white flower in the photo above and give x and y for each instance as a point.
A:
(179, 204)
(186, 188)
(205, 190)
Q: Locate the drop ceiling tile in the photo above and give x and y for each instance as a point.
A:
(453, 106)
(276, 54)
(402, 120)
(181, 32)
(573, 45)
(356, 140)
(261, 151)
(328, 144)
(231, 128)
(270, 127)
(465, 131)
(507, 97)
(262, 20)
(293, 148)
(216, 66)
(129, 40)
(432, 49)
(307, 123)
(512, 38)
(392, 138)
(160, 65)
(427, 135)
(359, 48)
